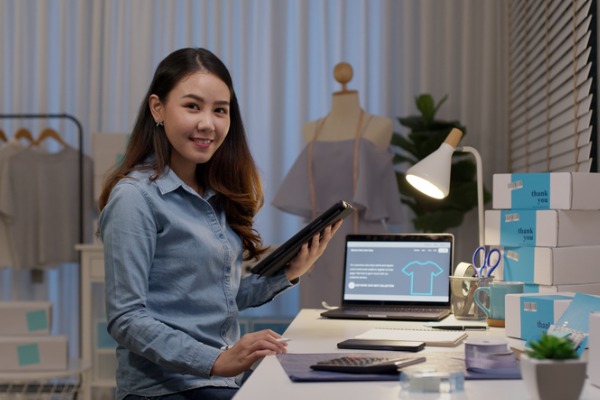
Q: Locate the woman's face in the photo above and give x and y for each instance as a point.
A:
(196, 119)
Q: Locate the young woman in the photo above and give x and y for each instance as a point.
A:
(176, 222)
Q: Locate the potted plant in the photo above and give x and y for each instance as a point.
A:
(551, 369)
(427, 134)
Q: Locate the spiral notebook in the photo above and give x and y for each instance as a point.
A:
(436, 337)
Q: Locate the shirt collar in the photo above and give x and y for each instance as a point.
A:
(168, 181)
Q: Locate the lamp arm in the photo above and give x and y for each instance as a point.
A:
(479, 168)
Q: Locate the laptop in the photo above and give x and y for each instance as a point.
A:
(396, 277)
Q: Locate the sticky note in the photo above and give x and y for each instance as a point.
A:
(37, 320)
(28, 354)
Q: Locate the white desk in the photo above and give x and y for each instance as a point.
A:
(312, 334)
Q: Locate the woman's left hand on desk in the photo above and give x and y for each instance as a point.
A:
(249, 349)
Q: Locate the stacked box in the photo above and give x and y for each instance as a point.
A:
(108, 150)
(26, 318)
(593, 370)
(529, 315)
(26, 342)
(547, 226)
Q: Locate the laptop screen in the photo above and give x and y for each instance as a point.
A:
(401, 269)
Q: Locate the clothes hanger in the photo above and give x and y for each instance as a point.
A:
(24, 134)
(3, 136)
(49, 134)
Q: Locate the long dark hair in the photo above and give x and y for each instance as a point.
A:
(231, 172)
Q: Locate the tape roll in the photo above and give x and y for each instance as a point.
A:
(463, 269)
(488, 353)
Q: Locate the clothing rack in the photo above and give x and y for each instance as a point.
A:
(80, 138)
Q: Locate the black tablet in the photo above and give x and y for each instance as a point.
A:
(284, 253)
(372, 344)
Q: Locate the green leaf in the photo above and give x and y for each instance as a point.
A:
(552, 347)
(426, 106)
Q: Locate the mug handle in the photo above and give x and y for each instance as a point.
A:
(486, 290)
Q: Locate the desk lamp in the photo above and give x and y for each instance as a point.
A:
(431, 175)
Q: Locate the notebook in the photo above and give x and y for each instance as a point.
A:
(396, 277)
(430, 337)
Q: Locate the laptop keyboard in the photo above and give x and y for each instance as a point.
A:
(403, 309)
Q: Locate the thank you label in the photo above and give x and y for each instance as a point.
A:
(530, 191)
(517, 228)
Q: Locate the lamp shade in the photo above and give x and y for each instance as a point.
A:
(431, 175)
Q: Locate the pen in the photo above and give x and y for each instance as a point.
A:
(460, 327)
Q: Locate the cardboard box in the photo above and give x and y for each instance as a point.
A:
(586, 288)
(529, 315)
(25, 317)
(547, 191)
(33, 353)
(108, 150)
(542, 228)
(550, 265)
(593, 369)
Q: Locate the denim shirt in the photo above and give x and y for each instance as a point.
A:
(173, 284)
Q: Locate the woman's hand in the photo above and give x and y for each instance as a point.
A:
(308, 254)
(249, 349)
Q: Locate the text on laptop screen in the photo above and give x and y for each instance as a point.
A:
(397, 271)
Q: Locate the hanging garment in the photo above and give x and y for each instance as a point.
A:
(7, 150)
(40, 197)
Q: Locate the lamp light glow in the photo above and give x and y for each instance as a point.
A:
(431, 175)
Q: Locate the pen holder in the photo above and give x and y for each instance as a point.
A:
(463, 294)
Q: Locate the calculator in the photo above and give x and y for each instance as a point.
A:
(357, 364)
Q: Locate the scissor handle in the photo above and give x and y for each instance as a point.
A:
(479, 266)
(488, 258)
(492, 266)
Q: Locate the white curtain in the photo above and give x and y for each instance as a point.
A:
(94, 59)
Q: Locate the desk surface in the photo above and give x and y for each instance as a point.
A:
(312, 334)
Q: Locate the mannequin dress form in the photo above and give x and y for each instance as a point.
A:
(347, 157)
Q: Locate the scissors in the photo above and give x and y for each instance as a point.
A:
(489, 262)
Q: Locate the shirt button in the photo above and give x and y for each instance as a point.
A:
(231, 302)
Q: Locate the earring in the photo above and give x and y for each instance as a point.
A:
(159, 123)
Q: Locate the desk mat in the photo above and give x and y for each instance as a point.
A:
(297, 367)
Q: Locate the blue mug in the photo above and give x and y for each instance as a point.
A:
(495, 293)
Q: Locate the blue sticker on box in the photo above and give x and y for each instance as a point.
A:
(37, 320)
(517, 228)
(530, 191)
(28, 354)
(519, 264)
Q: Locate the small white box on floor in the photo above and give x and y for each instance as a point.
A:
(529, 315)
(33, 353)
(542, 228)
(551, 265)
(593, 370)
(25, 318)
(547, 191)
